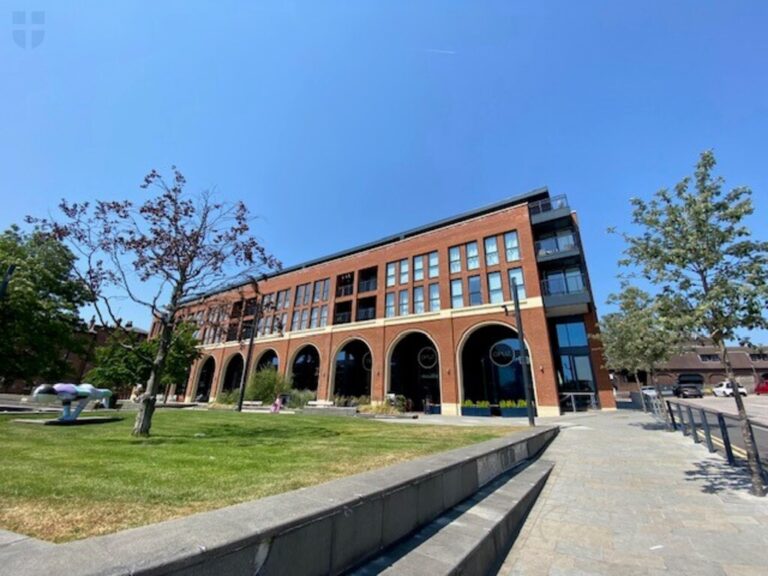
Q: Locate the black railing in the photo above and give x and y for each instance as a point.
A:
(548, 204)
(366, 314)
(345, 290)
(342, 318)
(564, 285)
(556, 244)
(367, 285)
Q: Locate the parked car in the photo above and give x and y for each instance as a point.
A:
(762, 388)
(687, 391)
(651, 391)
(726, 389)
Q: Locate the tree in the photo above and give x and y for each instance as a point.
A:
(713, 277)
(126, 359)
(173, 246)
(39, 317)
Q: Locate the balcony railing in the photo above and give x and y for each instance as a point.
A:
(345, 290)
(367, 285)
(366, 314)
(574, 284)
(548, 204)
(556, 245)
(342, 318)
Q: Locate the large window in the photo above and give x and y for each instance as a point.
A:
(569, 281)
(296, 321)
(475, 295)
(495, 291)
(571, 335)
(324, 315)
(418, 268)
(320, 292)
(389, 305)
(418, 300)
(491, 251)
(434, 297)
(511, 246)
(457, 294)
(473, 257)
(404, 271)
(305, 319)
(454, 257)
(403, 296)
(391, 274)
(314, 318)
(434, 265)
(516, 274)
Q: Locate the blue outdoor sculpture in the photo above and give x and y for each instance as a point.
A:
(68, 393)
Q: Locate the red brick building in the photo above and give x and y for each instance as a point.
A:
(427, 313)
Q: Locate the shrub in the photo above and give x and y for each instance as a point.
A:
(227, 397)
(522, 403)
(483, 404)
(265, 385)
(351, 401)
(468, 404)
(507, 404)
(299, 398)
(380, 408)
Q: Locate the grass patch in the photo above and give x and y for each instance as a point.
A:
(66, 483)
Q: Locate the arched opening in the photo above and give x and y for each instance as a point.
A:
(268, 360)
(306, 368)
(353, 370)
(414, 371)
(491, 367)
(233, 374)
(204, 380)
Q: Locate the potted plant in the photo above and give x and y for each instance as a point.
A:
(432, 408)
(513, 408)
(479, 408)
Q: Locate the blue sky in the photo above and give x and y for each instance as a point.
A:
(341, 122)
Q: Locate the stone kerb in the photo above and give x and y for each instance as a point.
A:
(324, 529)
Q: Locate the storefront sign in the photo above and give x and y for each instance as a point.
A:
(502, 354)
(427, 358)
(367, 363)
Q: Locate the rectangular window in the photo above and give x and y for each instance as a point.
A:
(287, 303)
(307, 295)
(260, 327)
(268, 324)
(314, 317)
(457, 294)
(454, 258)
(517, 275)
(473, 258)
(434, 265)
(389, 303)
(296, 320)
(418, 300)
(326, 287)
(491, 251)
(495, 291)
(299, 294)
(511, 246)
(305, 319)
(475, 295)
(391, 274)
(434, 297)
(571, 335)
(283, 326)
(418, 268)
(403, 271)
(709, 357)
(404, 308)
(324, 315)
(317, 291)
(280, 299)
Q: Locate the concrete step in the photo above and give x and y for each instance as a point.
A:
(471, 538)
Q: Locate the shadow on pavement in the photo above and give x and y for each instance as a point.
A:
(718, 476)
(649, 425)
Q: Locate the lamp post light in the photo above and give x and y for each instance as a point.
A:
(523, 355)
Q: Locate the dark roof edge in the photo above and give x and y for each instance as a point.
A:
(533, 195)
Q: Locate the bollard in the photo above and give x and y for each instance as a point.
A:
(707, 431)
(726, 439)
(694, 432)
(682, 420)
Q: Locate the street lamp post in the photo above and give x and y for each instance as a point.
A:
(523, 355)
(249, 355)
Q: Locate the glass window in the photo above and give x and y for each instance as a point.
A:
(305, 319)
(457, 294)
(299, 294)
(473, 258)
(287, 303)
(511, 246)
(280, 299)
(389, 305)
(403, 271)
(326, 286)
(574, 280)
(418, 300)
(324, 315)
(434, 265)
(295, 320)
(317, 291)
(314, 318)
(307, 295)
(495, 292)
(571, 334)
(404, 303)
(418, 268)
(491, 251)
(391, 274)
(517, 275)
(283, 322)
(454, 257)
(260, 327)
(434, 297)
(475, 296)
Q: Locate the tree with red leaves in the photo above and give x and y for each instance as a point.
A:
(180, 245)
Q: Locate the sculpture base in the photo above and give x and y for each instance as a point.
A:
(78, 422)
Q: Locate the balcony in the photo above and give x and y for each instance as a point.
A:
(367, 285)
(345, 290)
(342, 318)
(567, 292)
(549, 209)
(365, 314)
(556, 247)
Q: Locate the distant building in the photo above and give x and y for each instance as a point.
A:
(427, 313)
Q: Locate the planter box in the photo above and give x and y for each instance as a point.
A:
(475, 411)
(514, 412)
(434, 409)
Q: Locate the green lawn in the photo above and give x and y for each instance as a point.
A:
(65, 483)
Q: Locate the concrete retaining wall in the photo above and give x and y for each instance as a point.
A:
(322, 529)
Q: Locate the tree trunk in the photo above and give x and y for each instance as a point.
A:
(660, 397)
(148, 400)
(758, 483)
(640, 389)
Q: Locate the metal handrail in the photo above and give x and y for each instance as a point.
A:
(561, 244)
(345, 290)
(367, 285)
(552, 286)
(548, 204)
(342, 317)
(366, 313)
(572, 396)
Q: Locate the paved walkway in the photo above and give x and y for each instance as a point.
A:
(628, 498)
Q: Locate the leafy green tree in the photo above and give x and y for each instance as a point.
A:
(39, 317)
(712, 275)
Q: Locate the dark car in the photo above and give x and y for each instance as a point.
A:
(687, 391)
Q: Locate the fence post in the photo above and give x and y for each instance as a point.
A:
(707, 432)
(726, 439)
(757, 453)
(682, 420)
(671, 415)
(694, 432)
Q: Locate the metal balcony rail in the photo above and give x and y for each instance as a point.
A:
(345, 290)
(574, 284)
(366, 314)
(575, 400)
(342, 317)
(556, 244)
(367, 285)
(548, 204)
